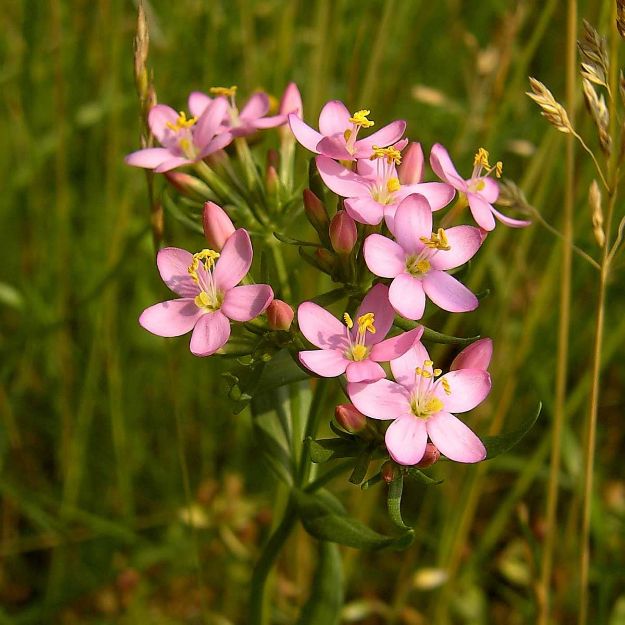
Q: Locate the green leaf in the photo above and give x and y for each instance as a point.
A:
(393, 501)
(419, 476)
(282, 370)
(496, 445)
(291, 241)
(326, 449)
(323, 519)
(433, 335)
(325, 299)
(325, 601)
(361, 467)
(172, 208)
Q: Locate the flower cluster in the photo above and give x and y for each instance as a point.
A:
(382, 246)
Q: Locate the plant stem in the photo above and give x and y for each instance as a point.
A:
(265, 563)
(544, 586)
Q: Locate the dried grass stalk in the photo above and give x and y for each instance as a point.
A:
(599, 111)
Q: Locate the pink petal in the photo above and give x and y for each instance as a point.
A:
(197, 103)
(334, 147)
(448, 293)
(404, 367)
(464, 242)
(235, 260)
(173, 318)
(218, 143)
(211, 332)
(387, 135)
(475, 356)
(490, 192)
(340, 180)
(173, 264)
(413, 220)
(334, 117)
(393, 348)
(158, 118)
(438, 194)
(149, 158)
(384, 257)
(381, 400)
(257, 106)
(306, 135)
(364, 371)
(172, 163)
(482, 211)
(210, 121)
(328, 363)
(368, 168)
(508, 221)
(407, 296)
(454, 439)
(270, 122)
(406, 439)
(376, 302)
(364, 210)
(411, 169)
(469, 388)
(291, 101)
(320, 327)
(444, 168)
(243, 303)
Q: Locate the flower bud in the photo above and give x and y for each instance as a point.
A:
(291, 101)
(349, 418)
(271, 180)
(388, 471)
(316, 213)
(475, 356)
(410, 171)
(279, 315)
(188, 185)
(343, 233)
(326, 260)
(217, 225)
(430, 456)
(273, 158)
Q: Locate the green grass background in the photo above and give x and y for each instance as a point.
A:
(108, 435)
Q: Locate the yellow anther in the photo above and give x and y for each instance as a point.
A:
(418, 371)
(208, 256)
(229, 92)
(481, 158)
(347, 134)
(426, 374)
(438, 241)
(393, 185)
(348, 321)
(359, 118)
(427, 363)
(433, 405)
(423, 266)
(446, 386)
(359, 352)
(498, 169)
(203, 300)
(365, 323)
(391, 154)
(437, 372)
(182, 122)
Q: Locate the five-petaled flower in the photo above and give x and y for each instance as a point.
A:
(480, 190)
(420, 403)
(209, 296)
(357, 347)
(338, 136)
(418, 258)
(184, 141)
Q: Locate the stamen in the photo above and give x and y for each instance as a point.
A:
(359, 118)
(391, 154)
(393, 185)
(481, 159)
(498, 169)
(182, 122)
(228, 92)
(438, 241)
(208, 256)
(348, 321)
(446, 386)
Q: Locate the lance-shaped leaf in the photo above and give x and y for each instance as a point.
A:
(419, 476)
(393, 501)
(496, 445)
(326, 449)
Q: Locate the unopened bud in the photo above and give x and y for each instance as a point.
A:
(279, 315)
(594, 199)
(217, 225)
(430, 456)
(326, 260)
(188, 185)
(349, 418)
(271, 180)
(411, 169)
(291, 101)
(343, 233)
(388, 471)
(316, 213)
(475, 356)
(273, 158)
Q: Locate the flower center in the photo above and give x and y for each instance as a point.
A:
(182, 129)
(230, 93)
(387, 183)
(357, 349)
(210, 298)
(482, 169)
(417, 266)
(424, 401)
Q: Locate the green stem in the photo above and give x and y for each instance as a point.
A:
(283, 275)
(265, 563)
(311, 427)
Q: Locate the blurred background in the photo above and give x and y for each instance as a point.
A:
(129, 492)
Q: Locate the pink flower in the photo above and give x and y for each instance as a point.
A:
(338, 136)
(218, 227)
(480, 190)
(420, 403)
(184, 141)
(475, 356)
(209, 295)
(252, 117)
(375, 190)
(358, 348)
(417, 260)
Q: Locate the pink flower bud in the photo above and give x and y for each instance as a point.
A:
(343, 233)
(188, 185)
(217, 225)
(349, 418)
(291, 101)
(279, 315)
(273, 158)
(271, 180)
(430, 456)
(475, 356)
(388, 471)
(410, 170)
(316, 213)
